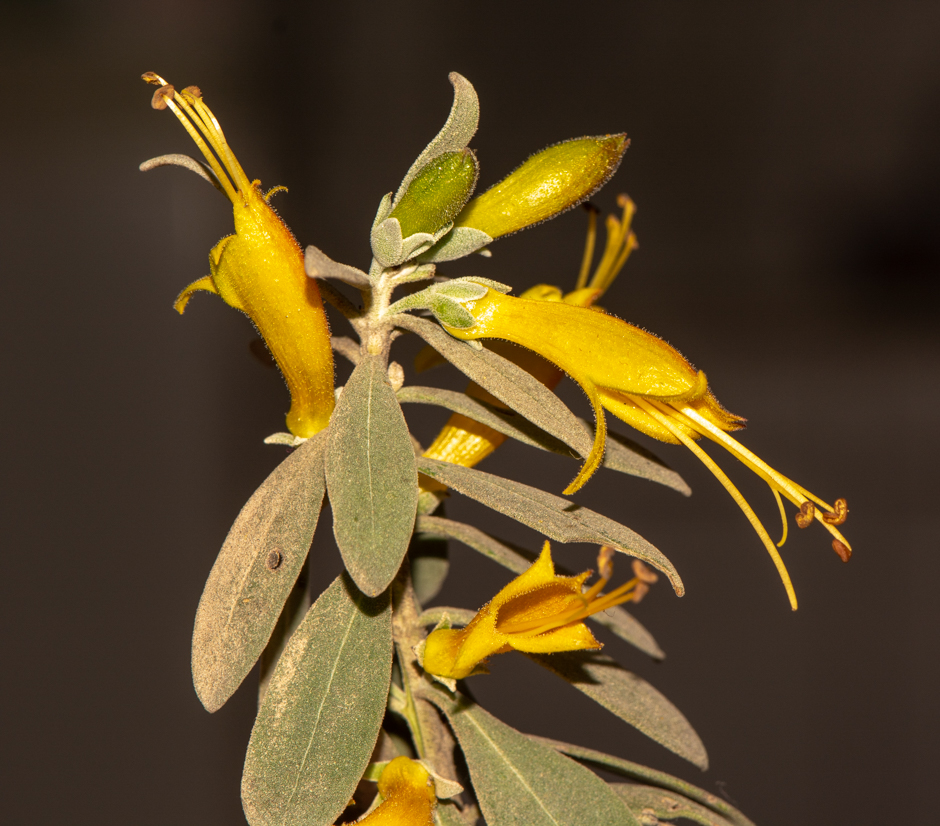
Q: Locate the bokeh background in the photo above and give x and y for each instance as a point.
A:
(785, 165)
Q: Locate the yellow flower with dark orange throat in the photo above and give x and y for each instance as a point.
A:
(260, 269)
(539, 612)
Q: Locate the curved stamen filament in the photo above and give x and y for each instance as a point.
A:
(620, 243)
(783, 515)
(794, 492)
(588, 256)
(665, 420)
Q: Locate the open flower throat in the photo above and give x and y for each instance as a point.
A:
(538, 613)
(260, 269)
(649, 385)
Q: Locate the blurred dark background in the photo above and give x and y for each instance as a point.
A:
(785, 166)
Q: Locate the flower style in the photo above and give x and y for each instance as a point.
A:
(538, 613)
(260, 269)
(408, 796)
(648, 384)
(465, 442)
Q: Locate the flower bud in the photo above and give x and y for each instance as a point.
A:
(548, 183)
(437, 193)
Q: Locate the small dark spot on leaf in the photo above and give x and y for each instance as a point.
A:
(275, 558)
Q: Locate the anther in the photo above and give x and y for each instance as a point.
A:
(644, 573)
(641, 590)
(152, 77)
(806, 515)
(605, 565)
(193, 91)
(161, 96)
(844, 552)
(839, 513)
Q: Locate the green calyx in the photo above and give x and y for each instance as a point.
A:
(437, 193)
(548, 183)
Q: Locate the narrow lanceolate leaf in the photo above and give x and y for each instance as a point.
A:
(320, 718)
(646, 775)
(513, 386)
(616, 619)
(622, 454)
(502, 421)
(557, 518)
(371, 477)
(629, 697)
(648, 802)
(519, 781)
(254, 573)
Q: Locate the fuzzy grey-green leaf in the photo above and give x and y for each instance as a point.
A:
(557, 518)
(320, 718)
(513, 386)
(371, 477)
(519, 781)
(615, 619)
(318, 264)
(646, 775)
(459, 128)
(656, 806)
(254, 573)
(458, 243)
(631, 698)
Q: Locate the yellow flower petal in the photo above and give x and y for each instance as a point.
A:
(260, 270)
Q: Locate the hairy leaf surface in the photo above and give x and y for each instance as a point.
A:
(516, 388)
(557, 518)
(254, 573)
(648, 802)
(631, 698)
(320, 718)
(646, 775)
(371, 477)
(520, 781)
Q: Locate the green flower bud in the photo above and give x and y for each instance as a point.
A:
(548, 183)
(437, 193)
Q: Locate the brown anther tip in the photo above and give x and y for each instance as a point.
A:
(624, 200)
(806, 515)
(641, 590)
(161, 96)
(152, 77)
(839, 513)
(194, 91)
(605, 566)
(589, 207)
(644, 573)
(843, 550)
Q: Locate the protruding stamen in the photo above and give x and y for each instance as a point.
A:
(783, 515)
(838, 514)
(588, 256)
(843, 550)
(664, 415)
(806, 515)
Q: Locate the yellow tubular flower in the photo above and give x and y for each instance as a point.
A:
(538, 612)
(648, 384)
(408, 796)
(260, 270)
(465, 442)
